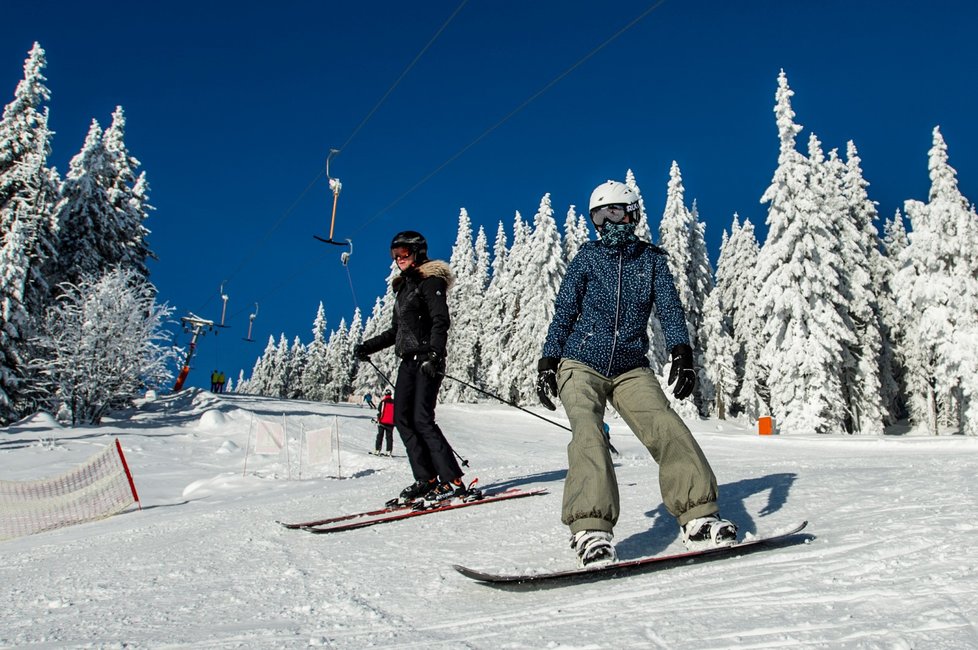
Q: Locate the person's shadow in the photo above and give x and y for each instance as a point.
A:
(665, 529)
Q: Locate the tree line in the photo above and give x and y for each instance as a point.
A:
(835, 323)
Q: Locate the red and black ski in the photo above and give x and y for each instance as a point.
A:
(363, 520)
(389, 507)
(639, 565)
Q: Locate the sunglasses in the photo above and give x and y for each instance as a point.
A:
(614, 213)
(399, 254)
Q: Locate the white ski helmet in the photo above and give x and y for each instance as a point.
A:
(614, 193)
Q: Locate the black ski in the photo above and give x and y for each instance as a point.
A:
(639, 565)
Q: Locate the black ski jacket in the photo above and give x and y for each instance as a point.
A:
(421, 321)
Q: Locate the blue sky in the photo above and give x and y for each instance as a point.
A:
(232, 109)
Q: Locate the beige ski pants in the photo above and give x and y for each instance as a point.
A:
(591, 502)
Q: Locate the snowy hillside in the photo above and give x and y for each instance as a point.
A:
(204, 565)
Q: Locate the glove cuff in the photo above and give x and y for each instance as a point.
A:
(682, 351)
(548, 363)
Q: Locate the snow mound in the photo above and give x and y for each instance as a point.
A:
(38, 421)
(211, 420)
(228, 447)
(222, 483)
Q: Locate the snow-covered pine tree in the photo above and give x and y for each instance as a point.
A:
(644, 229)
(576, 234)
(29, 193)
(104, 207)
(736, 294)
(260, 382)
(937, 294)
(128, 196)
(701, 281)
(895, 237)
(278, 375)
(682, 238)
(464, 301)
(720, 354)
(804, 334)
(338, 363)
(295, 366)
(482, 260)
(353, 338)
(512, 287)
(493, 312)
(315, 378)
(894, 241)
(865, 279)
(542, 273)
(107, 343)
(14, 320)
(84, 214)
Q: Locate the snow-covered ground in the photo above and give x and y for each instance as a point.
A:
(893, 562)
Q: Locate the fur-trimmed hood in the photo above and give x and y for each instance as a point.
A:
(428, 269)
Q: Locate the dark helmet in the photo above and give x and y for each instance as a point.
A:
(387, 392)
(414, 242)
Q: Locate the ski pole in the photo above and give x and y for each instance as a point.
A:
(379, 372)
(506, 401)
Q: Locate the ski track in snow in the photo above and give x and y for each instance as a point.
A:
(204, 564)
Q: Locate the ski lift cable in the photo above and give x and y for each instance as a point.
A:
(349, 139)
(512, 113)
(403, 74)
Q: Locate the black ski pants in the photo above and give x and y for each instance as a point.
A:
(385, 431)
(415, 396)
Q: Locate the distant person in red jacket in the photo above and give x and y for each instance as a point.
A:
(385, 423)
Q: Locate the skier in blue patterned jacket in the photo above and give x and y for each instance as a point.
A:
(596, 351)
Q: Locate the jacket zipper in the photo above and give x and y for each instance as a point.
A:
(614, 341)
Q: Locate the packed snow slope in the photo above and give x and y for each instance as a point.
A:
(892, 563)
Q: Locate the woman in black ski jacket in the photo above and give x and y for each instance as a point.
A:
(419, 334)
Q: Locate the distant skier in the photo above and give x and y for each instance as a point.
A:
(368, 399)
(385, 424)
(595, 352)
(419, 334)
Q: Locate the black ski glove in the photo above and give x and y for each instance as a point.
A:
(547, 381)
(361, 353)
(434, 365)
(681, 372)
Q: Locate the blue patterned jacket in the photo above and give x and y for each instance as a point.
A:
(603, 307)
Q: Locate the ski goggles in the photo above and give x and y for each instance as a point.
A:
(614, 213)
(401, 254)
